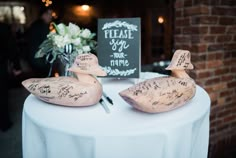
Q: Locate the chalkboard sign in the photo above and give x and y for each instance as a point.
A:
(119, 47)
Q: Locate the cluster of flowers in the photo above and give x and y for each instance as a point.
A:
(55, 46)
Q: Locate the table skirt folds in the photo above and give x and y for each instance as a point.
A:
(188, 141)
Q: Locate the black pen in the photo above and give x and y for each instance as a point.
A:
(101, 101)
(107, 98)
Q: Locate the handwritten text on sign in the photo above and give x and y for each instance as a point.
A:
(119, 46)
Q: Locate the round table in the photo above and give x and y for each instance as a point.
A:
(54, 131)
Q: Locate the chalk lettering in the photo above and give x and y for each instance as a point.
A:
(119, 62)
(115, 33)
(118, 45)
(119, 55)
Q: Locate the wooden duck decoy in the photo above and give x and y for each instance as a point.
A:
(166, 93)
(69, 91)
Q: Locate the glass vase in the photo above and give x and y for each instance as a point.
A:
(67, 60)
(66, 72)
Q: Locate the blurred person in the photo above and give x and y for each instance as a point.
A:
(35, 35)
(8, 52)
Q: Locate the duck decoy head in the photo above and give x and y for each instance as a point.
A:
(87, 63)
(181, 60)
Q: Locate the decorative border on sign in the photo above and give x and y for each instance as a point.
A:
(115, 72)
(118, 23)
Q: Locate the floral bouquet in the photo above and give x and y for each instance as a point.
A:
(65, 43)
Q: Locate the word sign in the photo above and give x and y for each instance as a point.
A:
(119, 47)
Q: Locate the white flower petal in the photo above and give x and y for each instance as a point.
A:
(58, 41)
(80, 51)
(86, 48)
(76, 41)
(61, 29)
(86, 33)
(74, 30)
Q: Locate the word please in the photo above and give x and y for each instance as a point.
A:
(127, 34)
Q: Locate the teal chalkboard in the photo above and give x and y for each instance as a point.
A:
(119, 47)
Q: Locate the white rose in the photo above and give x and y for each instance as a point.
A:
(58, 41)
(51, 34)
(61, 29)
(86, 48)
(67, 40)
(73, 30)
(76, 41)
(80, 51)
(86, 33)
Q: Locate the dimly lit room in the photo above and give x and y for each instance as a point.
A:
(123, 78)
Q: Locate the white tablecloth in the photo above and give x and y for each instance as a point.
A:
(51, 131)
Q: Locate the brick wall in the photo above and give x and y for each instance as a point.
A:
(208, 29)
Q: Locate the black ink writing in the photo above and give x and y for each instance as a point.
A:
(137, 92)
(186, 65)
(156, 86)
(183, 83)
(78, 95)
(45, 89)
(181, 60)
(64, 91)
(32, 87)
(155, 103)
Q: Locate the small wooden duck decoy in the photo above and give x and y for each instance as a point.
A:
(166, 93)
(69, 91)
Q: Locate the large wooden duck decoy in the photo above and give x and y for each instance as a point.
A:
(162, 94)
(84, 90)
